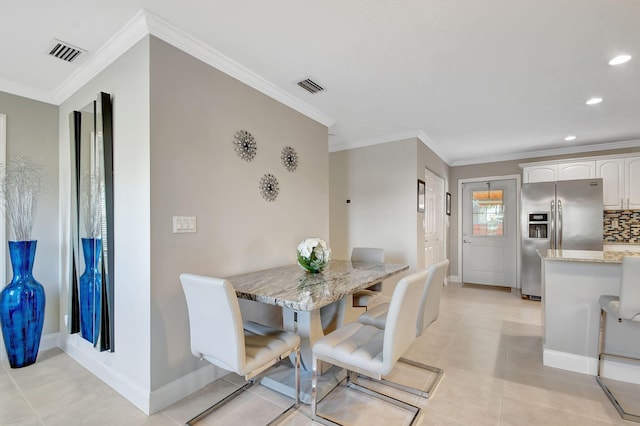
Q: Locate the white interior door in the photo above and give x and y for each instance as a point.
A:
(434, 249)
(489, 233)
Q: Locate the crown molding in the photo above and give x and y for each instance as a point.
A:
(546, 153)
(19, 89)
(142, 24)
(395, 137)
(123, 40)
(167, 32)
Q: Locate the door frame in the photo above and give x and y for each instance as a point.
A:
(518, 179)
(445, 219)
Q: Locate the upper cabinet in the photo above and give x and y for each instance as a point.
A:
(540, 173)
(560, 171)
(620, 177)
(612, 173)
(632, 182)
(620, 181)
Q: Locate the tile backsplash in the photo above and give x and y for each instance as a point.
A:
(621, 226)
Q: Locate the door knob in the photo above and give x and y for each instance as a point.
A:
(467, 242)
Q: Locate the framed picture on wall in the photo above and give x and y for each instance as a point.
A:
(420, 196)
(447, 204)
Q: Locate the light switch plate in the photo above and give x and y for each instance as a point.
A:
(184, 224)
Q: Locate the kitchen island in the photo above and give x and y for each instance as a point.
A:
(572, 283)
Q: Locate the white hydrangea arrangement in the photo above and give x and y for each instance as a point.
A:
(313, 254)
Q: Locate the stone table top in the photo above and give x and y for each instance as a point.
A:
(292, 287)
(586, 255)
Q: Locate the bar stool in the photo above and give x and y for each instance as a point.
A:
(626, 308)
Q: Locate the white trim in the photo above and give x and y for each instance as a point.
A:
(49, 341)
(146, 23)
(583, 158)
(162, 29)
(183, 387)
(454, 279)
(586, 365)
(132, 32)
(148, 402)
(3, 228)
(411, 134)
(548, 152)
(30, 92)
(82, 351)
(518, 179)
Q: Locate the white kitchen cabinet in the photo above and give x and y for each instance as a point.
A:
(611, 170)
(577, 170)
(559, 171)
(546, 173)
(632, 182)
(620, 182)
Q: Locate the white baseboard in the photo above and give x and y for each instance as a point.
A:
(84, 353)
(49, 341)
(149, 402)
(612, 369)
(183, 387)
(454, 279)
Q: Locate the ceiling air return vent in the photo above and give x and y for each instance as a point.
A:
(65, 51)
(310, 86)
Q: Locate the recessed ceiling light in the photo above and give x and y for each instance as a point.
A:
(570, 138)
(620, 59)
(594, 101)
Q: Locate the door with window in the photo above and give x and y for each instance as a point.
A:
(489, 233)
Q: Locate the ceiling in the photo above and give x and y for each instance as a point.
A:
(476, 81)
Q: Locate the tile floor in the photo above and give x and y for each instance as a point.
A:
(487, 340)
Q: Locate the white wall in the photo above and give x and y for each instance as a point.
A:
(128, 368)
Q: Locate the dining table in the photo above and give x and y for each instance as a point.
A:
(304, 298)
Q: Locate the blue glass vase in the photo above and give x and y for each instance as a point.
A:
(91, 290)
(22, 304)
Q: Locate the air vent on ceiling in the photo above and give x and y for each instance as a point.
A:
(65, 51)
(310, 86)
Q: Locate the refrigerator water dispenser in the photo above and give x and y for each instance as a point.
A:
(538, 225)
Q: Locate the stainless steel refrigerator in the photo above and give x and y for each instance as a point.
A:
(558, 215)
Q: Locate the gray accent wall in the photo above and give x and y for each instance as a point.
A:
(194, 171)
(32, 131)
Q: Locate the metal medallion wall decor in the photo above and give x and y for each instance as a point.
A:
(289, 158)
(269, 187)
(246, 146)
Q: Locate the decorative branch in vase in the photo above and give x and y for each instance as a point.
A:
(90, 290)
(22, 301)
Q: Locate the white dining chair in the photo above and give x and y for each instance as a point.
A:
(427, 314)
(219, 336)
(363, 298)
(370, 351)
(626, 308)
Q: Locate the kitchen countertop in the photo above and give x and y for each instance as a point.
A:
(585, 255)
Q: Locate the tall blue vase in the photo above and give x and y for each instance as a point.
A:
(22, 304)
(91, 290)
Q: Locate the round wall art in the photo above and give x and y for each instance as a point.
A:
(289, 158)
(246, 146)
(269, 187)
